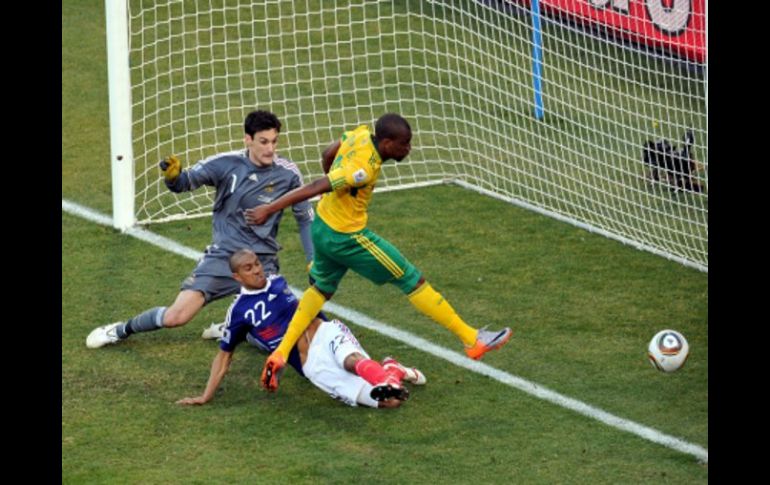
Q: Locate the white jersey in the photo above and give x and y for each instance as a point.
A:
(332, 344)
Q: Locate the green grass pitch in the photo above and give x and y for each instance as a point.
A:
(582, 308)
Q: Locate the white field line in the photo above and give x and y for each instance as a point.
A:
(419, 343)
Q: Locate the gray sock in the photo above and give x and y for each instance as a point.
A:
(148, 321)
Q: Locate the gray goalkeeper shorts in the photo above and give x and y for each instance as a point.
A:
(215, 287)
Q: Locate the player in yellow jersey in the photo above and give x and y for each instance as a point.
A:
(342, 241)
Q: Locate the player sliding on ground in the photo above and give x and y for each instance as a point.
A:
(327, 353)
(342, 241)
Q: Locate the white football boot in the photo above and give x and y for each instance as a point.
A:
(105, 335)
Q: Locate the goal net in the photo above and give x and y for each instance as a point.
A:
(590, 111)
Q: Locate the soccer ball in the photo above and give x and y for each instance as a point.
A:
(668, 350)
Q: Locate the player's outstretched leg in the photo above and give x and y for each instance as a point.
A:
(477, 342)
(113, 333)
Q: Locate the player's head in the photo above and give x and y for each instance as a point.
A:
(394, 137)
(261, 130)
(259, 121)
(247, 270)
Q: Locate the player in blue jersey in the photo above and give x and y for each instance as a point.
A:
(254, 176)
(327, 353)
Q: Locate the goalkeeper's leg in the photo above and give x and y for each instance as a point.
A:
(197, 290)
(184, 308)
(187, 304)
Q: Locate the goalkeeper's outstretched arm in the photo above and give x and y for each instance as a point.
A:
(178, 180)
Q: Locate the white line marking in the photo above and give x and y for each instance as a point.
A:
(419, 343)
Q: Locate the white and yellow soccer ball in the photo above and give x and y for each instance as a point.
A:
(668, 350)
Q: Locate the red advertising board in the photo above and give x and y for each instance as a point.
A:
(676, 26)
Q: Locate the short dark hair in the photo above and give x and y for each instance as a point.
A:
(259, 121)
(391, 126)
(237, 257)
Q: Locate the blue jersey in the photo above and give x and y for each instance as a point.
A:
(264, 316)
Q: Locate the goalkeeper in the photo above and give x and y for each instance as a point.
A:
(242, 179)
(343, 242)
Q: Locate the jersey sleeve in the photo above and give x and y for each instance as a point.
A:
(351, 167)
(209, 172)
(235, 329)
(350, 170)
(206, 172)
(233, 335)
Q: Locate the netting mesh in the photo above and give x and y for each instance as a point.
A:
(461, 73)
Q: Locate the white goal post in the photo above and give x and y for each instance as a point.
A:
(590, 111)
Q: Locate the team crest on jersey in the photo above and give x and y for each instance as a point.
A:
(359, 175)
(269, 188)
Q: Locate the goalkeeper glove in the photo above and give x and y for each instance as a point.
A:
(171, 167)
(272, 371)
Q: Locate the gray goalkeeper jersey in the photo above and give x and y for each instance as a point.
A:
(240, 184)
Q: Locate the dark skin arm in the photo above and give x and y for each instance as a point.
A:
(258, 215)
(328, 155)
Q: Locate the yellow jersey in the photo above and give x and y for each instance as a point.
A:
(353, 174)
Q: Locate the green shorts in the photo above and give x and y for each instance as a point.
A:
(364, 252)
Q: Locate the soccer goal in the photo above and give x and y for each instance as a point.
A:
(593, 112)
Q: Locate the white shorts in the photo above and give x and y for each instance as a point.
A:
(324, 367)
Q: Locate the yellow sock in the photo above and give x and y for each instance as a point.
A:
(309, 305)
(432, 304)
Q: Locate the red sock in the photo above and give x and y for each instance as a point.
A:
(371, 371)
(396, 371)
